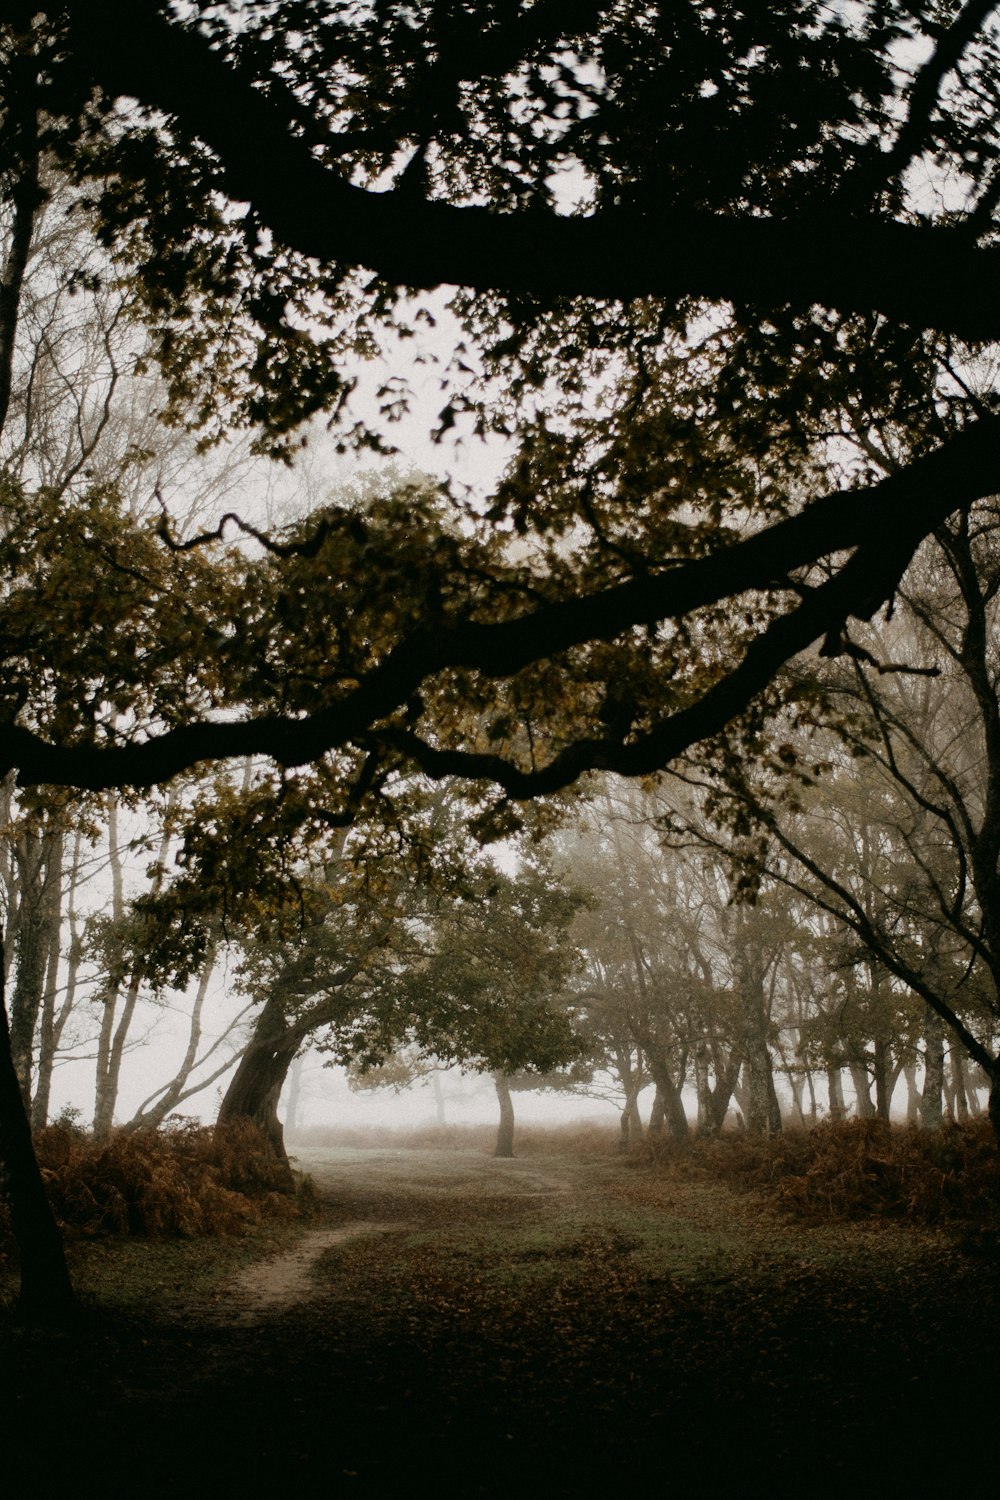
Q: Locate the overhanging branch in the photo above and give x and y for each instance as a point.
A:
(923, 275)
(882, 524)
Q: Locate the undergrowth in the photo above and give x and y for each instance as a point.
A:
(181, 1182)
(860, 1169)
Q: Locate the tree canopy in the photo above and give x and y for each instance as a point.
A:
(712, 264)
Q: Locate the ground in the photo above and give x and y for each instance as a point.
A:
(547, 1326)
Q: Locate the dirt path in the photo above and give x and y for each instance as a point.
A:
(273, 1286)
(423, 1180)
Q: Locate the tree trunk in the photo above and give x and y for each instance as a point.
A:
(38, 875)
(993, 1107)
(956, 1057)
(727, 1075)
(668, 1099)
(741, 1092)
(630, 1075)
(912, 1094)
(931, 1112)
(703, 1089)
(113, 1037)
(110, 1051)
(48, 1029)
(763, 1116)
(658, 1114)
(792, 1074)
(46, 1294)
(631, 1120)
(858, 1069)
(440, 1108)
(256, 1086)
(835, 1090)
(884, 1080)
(505, 1130)
(764, 1113)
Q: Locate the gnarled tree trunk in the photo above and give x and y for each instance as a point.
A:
(668, 1107)
(256, 1086)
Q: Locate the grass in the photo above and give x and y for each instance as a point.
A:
(166, 1278)
(587, 1138)
(650, 1308)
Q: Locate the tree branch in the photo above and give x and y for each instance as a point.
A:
(927, 276)
(25, 198)
(884, 522)
(953, 42)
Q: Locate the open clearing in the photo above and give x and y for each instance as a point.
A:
(548, 1325)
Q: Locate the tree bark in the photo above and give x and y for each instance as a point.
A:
(959, 1082)
(764, 1113)
(884, 1080)
(256, 1086)
(49, 1030)
(38, 854)
(993, 1107)
(835, 1090)
(797, 1089)
(703, 1088)
(862, 1090)
(46, 1294)
(931, 1111)
(668, 1099)
(631, 1119)
(727, 1075)
(505, 1130)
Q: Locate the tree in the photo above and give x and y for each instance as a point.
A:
(375, 957)
(46, 1293)
(894, 833)
(495, 983)
(76, 423)
(748, 260)
(678, 981)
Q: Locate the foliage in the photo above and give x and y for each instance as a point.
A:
(770, 277)
(856, 1170)
(891, 835)
(184, 1181)
(461, 960)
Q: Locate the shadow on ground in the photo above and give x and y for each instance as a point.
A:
(548, 1329)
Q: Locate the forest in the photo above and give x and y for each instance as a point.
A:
(500, 571)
